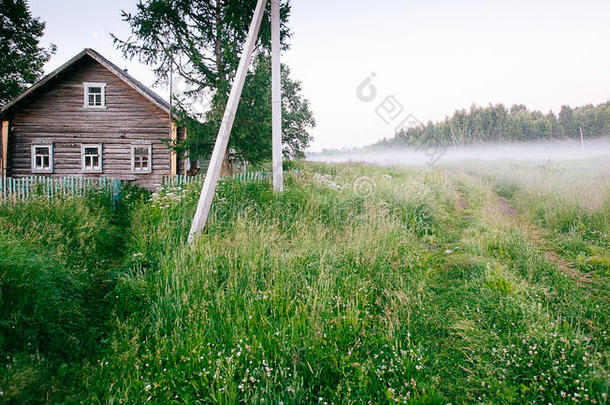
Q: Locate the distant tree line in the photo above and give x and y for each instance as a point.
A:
(496, 123)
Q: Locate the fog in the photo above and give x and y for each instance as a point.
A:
(528, 151)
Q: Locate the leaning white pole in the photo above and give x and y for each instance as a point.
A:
(276, 97)
(211, 178)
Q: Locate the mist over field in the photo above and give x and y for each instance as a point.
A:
(527, 151)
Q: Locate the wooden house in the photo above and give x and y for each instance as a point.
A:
(89, 118)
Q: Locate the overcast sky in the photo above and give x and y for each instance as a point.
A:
(433, 56)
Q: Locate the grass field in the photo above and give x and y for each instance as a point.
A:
(481, 283)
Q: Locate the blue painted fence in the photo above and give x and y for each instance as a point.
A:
(24, 188)
(248, 177)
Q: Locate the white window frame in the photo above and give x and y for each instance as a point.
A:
(86, 87)
(82, 155)
(133, 157)
(33, 157)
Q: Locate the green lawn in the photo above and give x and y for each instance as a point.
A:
(478, 283)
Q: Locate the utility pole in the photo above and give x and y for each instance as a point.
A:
(213, 173)
(582, 139)
(276, 97)
(171, 91)
(171, 116)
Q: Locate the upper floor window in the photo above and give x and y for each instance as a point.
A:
(91, 156)
(42, 158)
(95, 95)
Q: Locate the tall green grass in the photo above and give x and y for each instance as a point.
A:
(413, 288)
(54, 274)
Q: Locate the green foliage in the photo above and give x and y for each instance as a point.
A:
(251, 136)
(200, 41)
(200, 138)
(21, 56)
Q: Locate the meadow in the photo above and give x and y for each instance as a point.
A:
(470, 283)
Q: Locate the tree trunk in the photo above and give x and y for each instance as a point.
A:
(227, 165)
(218, 42)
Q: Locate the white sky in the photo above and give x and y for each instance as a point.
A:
(434, 56)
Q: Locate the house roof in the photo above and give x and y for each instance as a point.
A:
(122, 74)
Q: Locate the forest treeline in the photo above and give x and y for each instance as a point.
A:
(496, 123)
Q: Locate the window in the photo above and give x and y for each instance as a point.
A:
(141, 158)
(95, 95)
(42, 158)
(92, 158)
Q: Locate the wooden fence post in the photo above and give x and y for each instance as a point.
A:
(173, 156)
(4, 151)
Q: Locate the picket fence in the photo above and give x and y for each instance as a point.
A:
(24, 188)
(248, 177)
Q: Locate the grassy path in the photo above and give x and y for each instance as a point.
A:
(539, 238)
(508, 325)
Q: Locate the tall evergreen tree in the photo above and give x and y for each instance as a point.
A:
(21, 56)
(201, 42)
